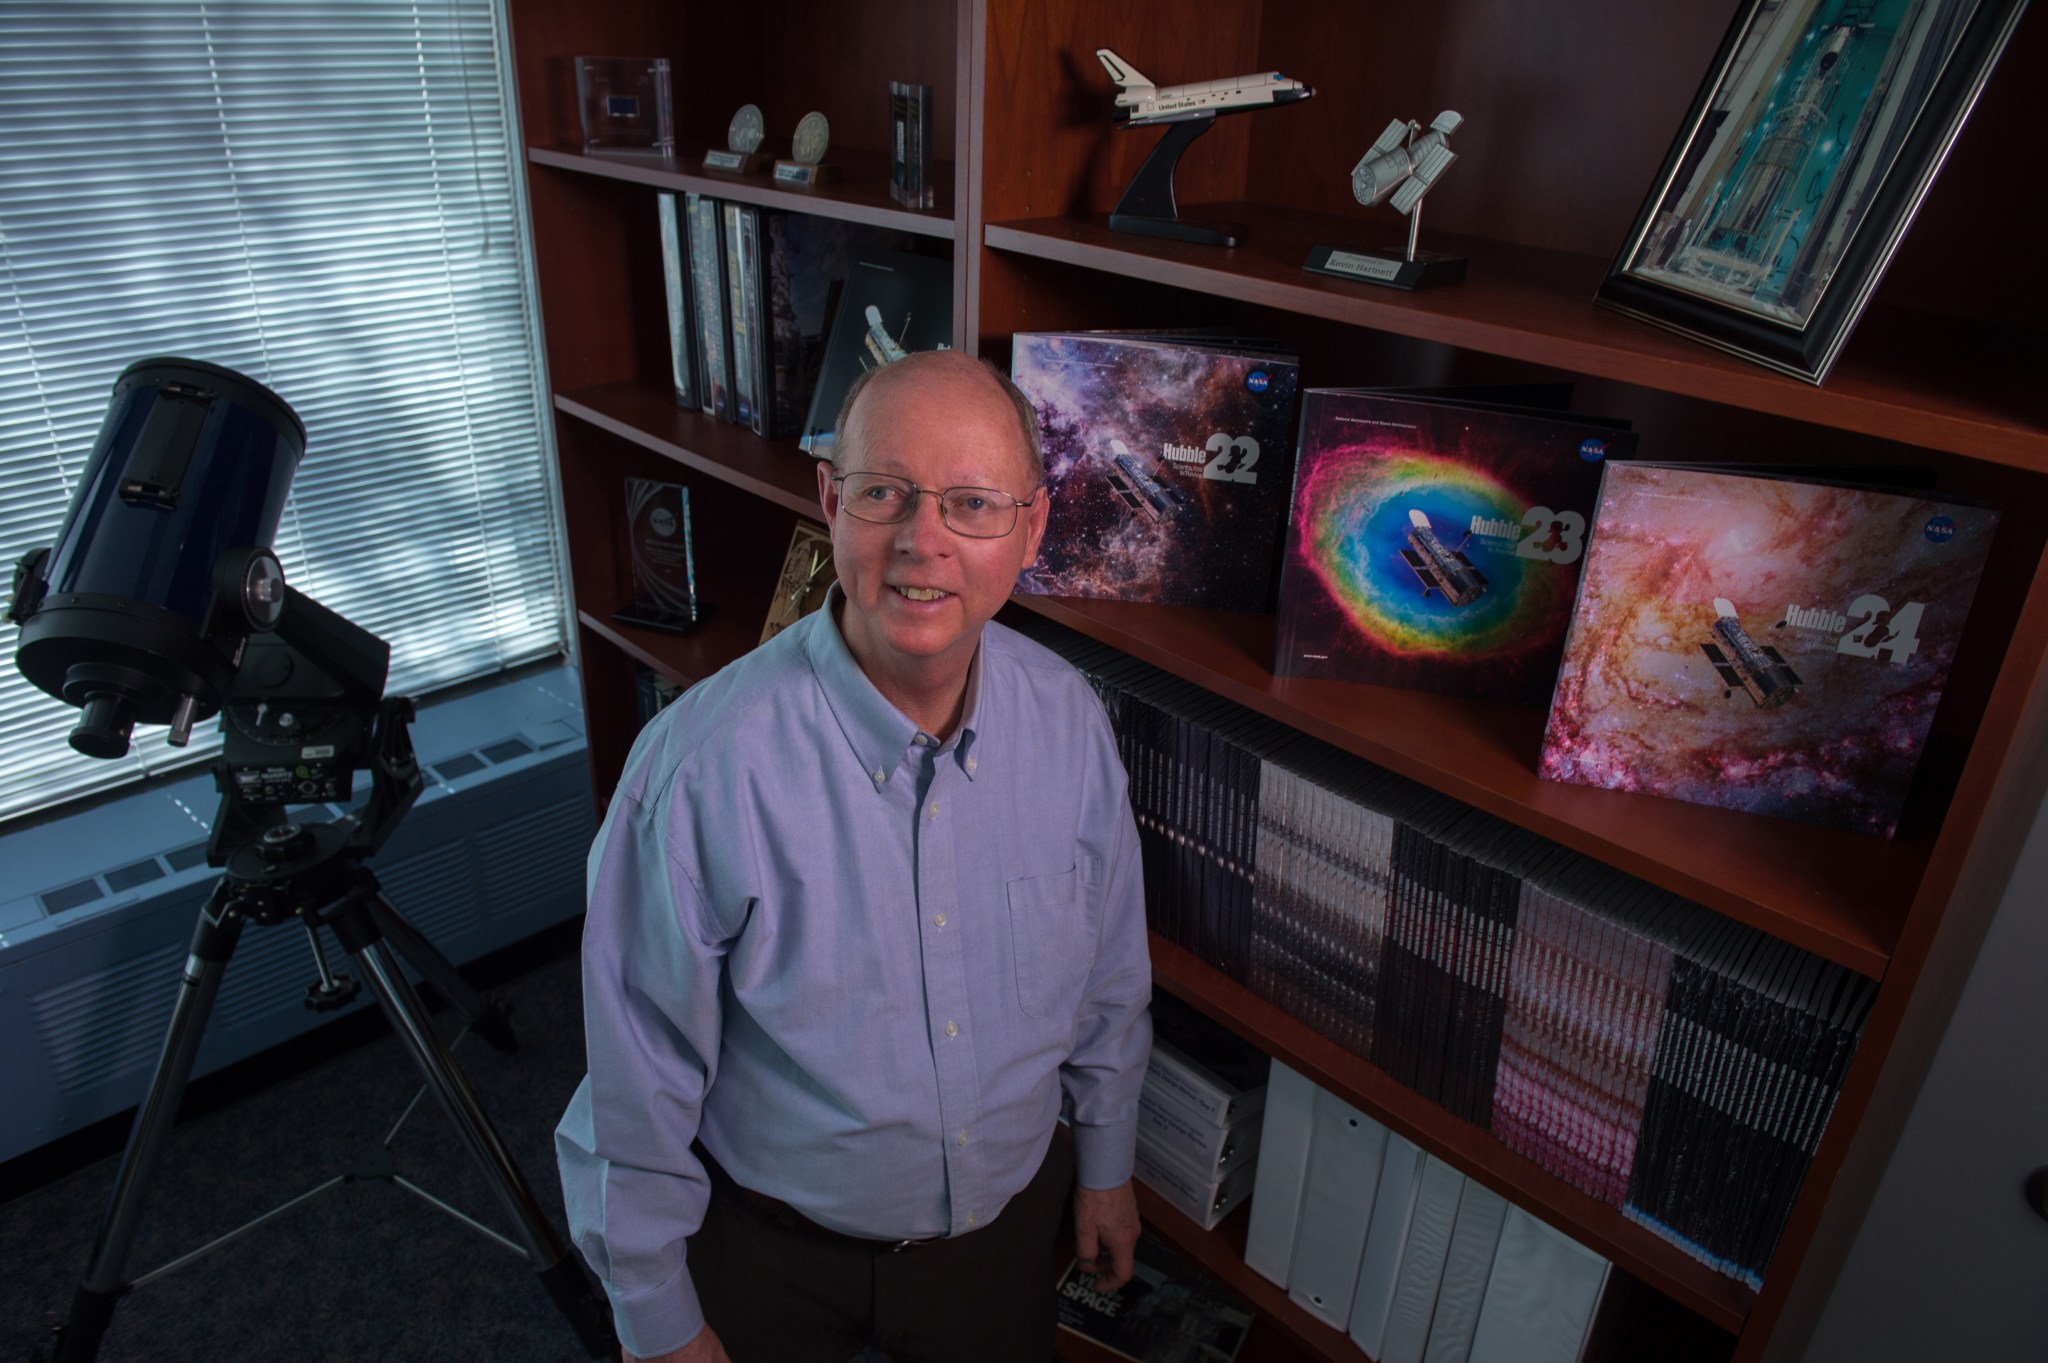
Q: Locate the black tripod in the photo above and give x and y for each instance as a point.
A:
(336, 891)
(315, 873)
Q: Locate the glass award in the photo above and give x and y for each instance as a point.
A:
(664, 571)
(625, 106)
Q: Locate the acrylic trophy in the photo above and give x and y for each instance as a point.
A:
(624, 104)
(664, 569)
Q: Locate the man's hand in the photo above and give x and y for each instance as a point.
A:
(705, 1348)
(1105, 1232)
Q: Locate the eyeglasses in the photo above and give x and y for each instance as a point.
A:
(981, 513)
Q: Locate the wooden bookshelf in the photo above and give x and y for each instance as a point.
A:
(1569, 110)
(1940, 383)
(859, 192)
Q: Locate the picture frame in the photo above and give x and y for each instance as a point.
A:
(807, 573)
(1802, 162)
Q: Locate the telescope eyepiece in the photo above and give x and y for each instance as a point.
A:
(105, 724)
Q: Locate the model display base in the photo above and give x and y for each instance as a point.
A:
(1390, 268)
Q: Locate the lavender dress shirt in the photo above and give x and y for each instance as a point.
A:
(859, 964)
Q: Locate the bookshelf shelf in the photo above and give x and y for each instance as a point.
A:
(1473, 1150)
(1835, 893)
(648, 416)
(860, 193)
(682, 658)
(1918, 380)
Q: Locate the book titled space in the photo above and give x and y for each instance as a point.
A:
(1435, 544)
(1167, 462)
(1763, 643)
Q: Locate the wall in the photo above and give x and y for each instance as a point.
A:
(1949, 1263)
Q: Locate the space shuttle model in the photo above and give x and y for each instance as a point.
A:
(1746, 665)
(1140, 102)
(1439, 568)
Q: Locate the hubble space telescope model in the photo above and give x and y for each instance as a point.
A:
(1139, 101)
(1147, 206)
(1402, 166)
(885, 348)
(1441, 569)
(1746, 665)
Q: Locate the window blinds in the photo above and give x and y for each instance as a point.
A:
(325, 198)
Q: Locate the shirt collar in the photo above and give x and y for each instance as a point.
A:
(877, 731)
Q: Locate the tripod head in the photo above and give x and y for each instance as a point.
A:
(305, 712)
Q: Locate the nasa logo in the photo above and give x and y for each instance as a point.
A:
(1940, 530)
(1258, 380)
(1592, 451)
(662, 521)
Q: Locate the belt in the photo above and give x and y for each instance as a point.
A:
(789, 1218)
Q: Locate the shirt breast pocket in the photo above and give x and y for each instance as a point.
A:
(1050, 941)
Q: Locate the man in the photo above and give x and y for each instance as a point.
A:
(865, 903)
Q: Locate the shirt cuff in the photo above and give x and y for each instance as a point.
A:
(657, 1320)
(1104, 1155)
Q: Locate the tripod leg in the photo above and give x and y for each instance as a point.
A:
(213, 942)
(560, 1274)
(479, 1008)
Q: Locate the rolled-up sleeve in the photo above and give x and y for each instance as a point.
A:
(1113, 1031)
(651, 969)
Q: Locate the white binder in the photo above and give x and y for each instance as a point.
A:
(1467, 1265)
(1542, 1296)
(1378, 1271)
(1336, 1205)
(1284, 1141)
(1422, 1262)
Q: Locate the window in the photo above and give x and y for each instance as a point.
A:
(326, 199)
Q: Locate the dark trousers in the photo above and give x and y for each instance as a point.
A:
(779, 1289)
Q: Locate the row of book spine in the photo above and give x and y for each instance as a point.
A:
(1674, 1063)
(910, 133)
(652, 693)
(717, 273)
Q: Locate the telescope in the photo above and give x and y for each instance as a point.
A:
(163, 569)
(162, 602)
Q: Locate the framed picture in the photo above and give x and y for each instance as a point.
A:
(806, 572)
(1799, 168)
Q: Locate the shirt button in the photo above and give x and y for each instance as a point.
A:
(952, 1029)
(970, 1219)
(960, 1139)
(970, 764)
(935, 809)
(879, 776)
(938, 920)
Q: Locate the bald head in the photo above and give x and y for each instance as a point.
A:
(942, 374)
